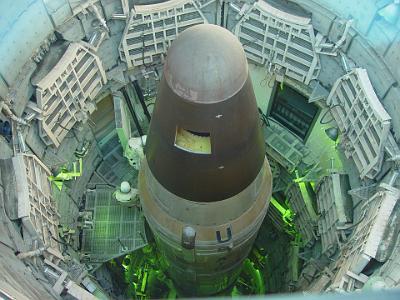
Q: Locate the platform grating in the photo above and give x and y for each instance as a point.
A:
(116, 230)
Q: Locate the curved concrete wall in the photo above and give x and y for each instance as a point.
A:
(27, 28)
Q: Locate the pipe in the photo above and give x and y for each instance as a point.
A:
(21, 141)
(93, 38)
(342, 39)
(118, 17)
(249, 268)
(234, 7)
(141, 99)
(8, 112)
(132, 111)
(394, 177)
(206, 4)
(344, 62)
(29, 254)
(99, 17)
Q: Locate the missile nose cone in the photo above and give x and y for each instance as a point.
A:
(205, 182)
(206, 64)
(205, 142)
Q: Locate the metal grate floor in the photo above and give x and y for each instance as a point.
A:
(116, 229)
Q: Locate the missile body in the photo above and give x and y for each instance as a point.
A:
(205, 182)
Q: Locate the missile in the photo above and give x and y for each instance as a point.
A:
(205, 183)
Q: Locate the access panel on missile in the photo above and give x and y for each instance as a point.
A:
(205, 182)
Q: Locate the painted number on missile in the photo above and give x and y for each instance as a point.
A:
(228, 235)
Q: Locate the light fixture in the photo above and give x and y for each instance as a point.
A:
(390, 12)
(332, 133)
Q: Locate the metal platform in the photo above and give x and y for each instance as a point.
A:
(152, 28)
(283, 42)
(66, 94)
(116, 230)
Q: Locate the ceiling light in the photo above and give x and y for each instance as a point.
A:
(332, 133)
(391, 12)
